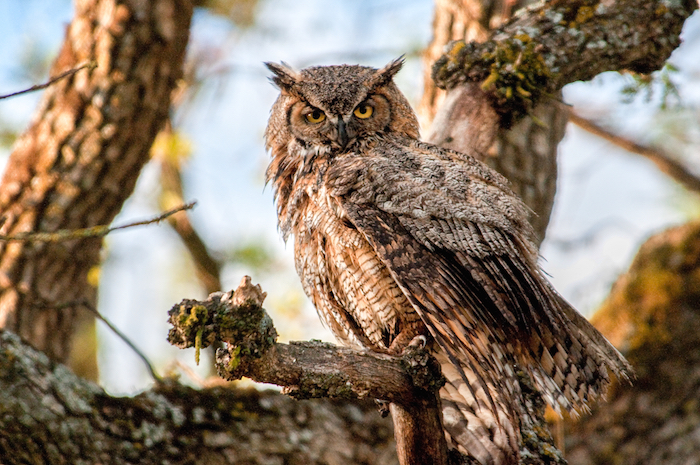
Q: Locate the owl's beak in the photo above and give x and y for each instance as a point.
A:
(342, 133)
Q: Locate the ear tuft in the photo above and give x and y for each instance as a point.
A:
(283, 76)
(383, 76)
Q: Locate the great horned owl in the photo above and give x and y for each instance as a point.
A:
(396, 238)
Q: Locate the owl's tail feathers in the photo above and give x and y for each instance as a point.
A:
(573, 362)
(476, 423)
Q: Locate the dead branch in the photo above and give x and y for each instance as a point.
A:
(305, 369)
(149, 366)
(314, 369)
(52, 416)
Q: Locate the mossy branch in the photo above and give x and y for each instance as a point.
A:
(304, 369)
(546, 47)
(315, 369)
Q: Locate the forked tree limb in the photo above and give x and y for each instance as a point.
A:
(502, 90)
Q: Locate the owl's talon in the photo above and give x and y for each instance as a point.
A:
(382, 407)
(418, 342)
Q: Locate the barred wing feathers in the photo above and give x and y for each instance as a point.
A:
(460, 250)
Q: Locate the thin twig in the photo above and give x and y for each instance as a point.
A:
(124, 338)
(93, 231)
(70, 72)
(663, 161)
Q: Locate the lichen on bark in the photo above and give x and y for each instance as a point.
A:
(552, 44)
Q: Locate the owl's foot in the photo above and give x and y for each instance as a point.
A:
(383, 407)
(408, 340)
(418, 342)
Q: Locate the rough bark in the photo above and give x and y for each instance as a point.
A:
(80, 158)
(558, 42)
(314, 369)
(522, 68)
(653, 312)
(467, 20)
(49, 416)
(410, 382)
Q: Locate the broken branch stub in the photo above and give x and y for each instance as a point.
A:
(236, 318)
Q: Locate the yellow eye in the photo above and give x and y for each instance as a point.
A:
(363, 111)
(316, 116)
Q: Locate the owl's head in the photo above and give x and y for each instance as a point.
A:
(336, 106)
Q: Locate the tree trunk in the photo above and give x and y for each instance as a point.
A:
(653, 312)
(80, 158)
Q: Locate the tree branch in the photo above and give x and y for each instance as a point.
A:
(558, 42)
(93, 231)
(305, 369)
(51, 416)
(125, 339)
(89, 65)
(314, 369)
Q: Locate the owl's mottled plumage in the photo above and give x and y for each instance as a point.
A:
(396, 238)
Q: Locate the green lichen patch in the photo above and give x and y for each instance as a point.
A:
(247, 326)
(192, 325)
(512, 71)
(517, 75)
(198, 324)
(537, 443)
(235, 358)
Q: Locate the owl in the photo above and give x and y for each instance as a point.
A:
(396, 238)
